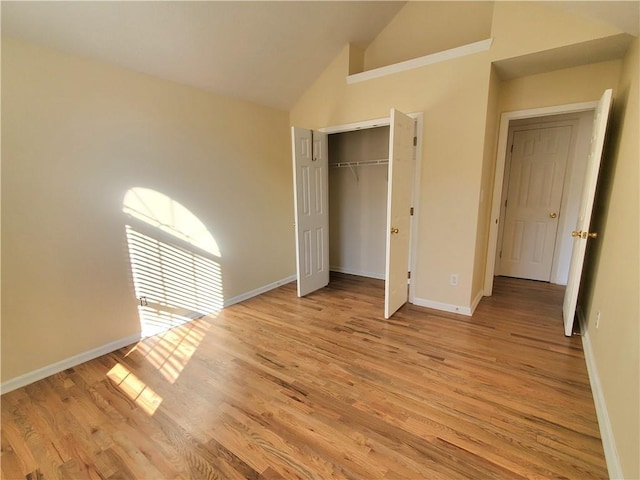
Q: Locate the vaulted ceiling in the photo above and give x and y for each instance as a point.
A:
(266, 52)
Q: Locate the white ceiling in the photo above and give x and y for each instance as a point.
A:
(268, 52)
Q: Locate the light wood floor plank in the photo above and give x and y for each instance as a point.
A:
(323, 387)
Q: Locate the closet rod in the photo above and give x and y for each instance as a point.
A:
(363, 163)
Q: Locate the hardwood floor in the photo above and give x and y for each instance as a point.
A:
(323, 387)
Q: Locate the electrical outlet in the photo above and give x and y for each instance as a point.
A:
(453, 280)
(598, 319)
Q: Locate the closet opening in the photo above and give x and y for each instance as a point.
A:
(358, 189)
(361, 221)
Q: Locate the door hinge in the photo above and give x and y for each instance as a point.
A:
(500, 256)
(408, 274)
(505, 203)
(511, 148)
(411, 211)
(415, 141)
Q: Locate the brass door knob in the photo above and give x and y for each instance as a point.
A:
(584, 234)
(394, 230)
(553, 215)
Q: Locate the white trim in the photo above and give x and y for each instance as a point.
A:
(476, 301)
(359, 273)
(417, 182)
(438, 57)
(445, 307)
(258, 291)
(606, 431)
(350, 127)
(364, 124)
(70, 362)
(501, 156)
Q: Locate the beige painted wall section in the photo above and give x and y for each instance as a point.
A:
(453, 96)
(612, 278)
(422, 28)
(486, 188)
(77, 135)
(570, 85)
(521, 28)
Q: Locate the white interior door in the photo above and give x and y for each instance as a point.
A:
(581, 233)
(398, 211)
(311, 185)
(536, 179)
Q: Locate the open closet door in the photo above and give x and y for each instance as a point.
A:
(311, 185)
(398, 211)
(581, 233)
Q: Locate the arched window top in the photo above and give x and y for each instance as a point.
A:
(163, 212)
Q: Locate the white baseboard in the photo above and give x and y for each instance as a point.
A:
(359, 273)
(476, 301)
(606, 432)
(446, 307)
(258, 291)
(70, 362)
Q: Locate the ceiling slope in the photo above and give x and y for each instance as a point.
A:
(268, 52)
(265, 52)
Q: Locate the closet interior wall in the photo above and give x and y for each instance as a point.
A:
(358, 183)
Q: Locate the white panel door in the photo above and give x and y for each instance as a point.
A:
(581, 233)
(398, 211)
(536, 179)
(311, 185)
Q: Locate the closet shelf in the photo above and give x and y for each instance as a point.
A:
(364, 163)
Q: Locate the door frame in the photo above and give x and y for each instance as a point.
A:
(413, 235)
(501, 156)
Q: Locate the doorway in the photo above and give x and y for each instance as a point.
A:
(580, 117)
(358, 188)
(587, 187)
(545, 161)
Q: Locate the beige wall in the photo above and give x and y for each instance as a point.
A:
(422, 28)
(454, 96)
(76, 136)
(485, 198)
(570, 85)
(521, 28)
(612, 278)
